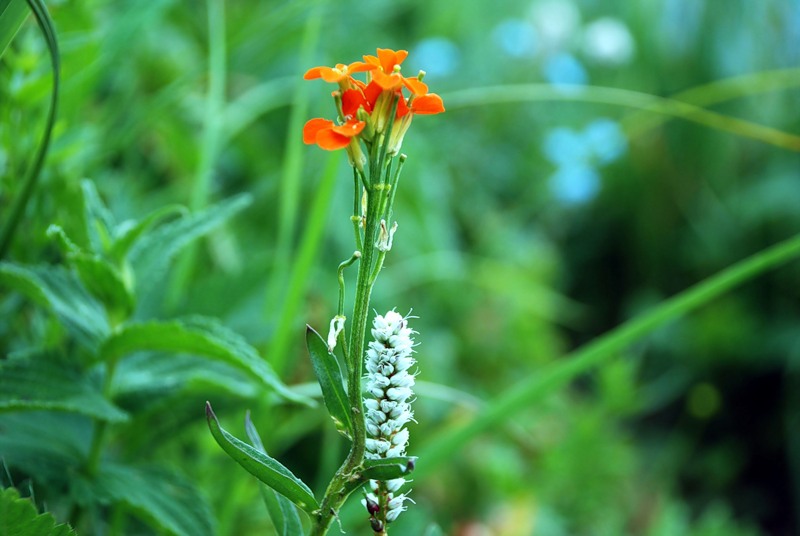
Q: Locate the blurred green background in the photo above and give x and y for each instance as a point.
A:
(529, 223)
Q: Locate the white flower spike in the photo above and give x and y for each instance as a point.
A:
(388, 409)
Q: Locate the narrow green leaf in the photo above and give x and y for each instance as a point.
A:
(60, 291)
(329, 376)
(196, 336)
(18, 517)
(41, 383)
(388, 468)
(12, 14)
(151, 255)
(281, 510)
(165, 500)
(266, 469)
(98, 220)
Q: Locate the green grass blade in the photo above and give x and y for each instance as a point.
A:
(557, 375)
(29, 182)
(306, 257)
(292, 170)
(625, 98)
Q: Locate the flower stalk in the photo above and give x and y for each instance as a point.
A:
(372, 117)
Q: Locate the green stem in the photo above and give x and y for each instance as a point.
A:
(29, 183)
(337, 491)
(558, 374)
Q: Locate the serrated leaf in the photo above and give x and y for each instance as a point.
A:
(129, 232)
(281, 511)
(164, 499)
(196, 336)
(18, 517)
(388, 468)
(266, 469)
(40, 383)
(62, 292)
(329, 376)
(151, 255)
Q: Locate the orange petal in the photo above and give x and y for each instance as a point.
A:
(427, 104)
(387, 81)
(389, 58)
(360, 66)
(371, 93)
(313, 127)
(313, 73)
(415, 86)
(352, 100)
(402, 107)
(331, 141)
(349, 129)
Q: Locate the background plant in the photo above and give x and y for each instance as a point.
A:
(532, 237)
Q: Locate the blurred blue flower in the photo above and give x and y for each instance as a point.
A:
(516, 37)
(605, 140)
(575, 183)
(563, 145)
(564, 69)
(439, 55)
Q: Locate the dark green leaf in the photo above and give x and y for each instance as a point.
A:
(329, 376)
(266, 469)
(12, 14)
(196, 336)
(388, 468)
(61, 292)
(151, 255)
(18, 517)
(41, 383)
(281, 511)
(164, 499)
(47, 445)
(105, 283)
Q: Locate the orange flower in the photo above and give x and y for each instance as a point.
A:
(386, 72)
(329, 135)
(339, 73)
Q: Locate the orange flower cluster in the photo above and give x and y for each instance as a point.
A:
(365, 107)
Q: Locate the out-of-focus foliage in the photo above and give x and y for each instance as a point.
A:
(527, 226)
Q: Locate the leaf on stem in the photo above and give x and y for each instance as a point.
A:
(266, 469)
(281, 511)
(388, 468)
(329, 376)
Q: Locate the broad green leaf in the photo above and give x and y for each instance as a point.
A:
(196, 336)
(60, 291)
(41, 383)
(281, 511)
(151, 255)
(12, 14)
(149, 378)
(388, 468)
(266, 469)
(18, 517)
(329, 376)
(129, 232)
(47, 445)
(165, 500)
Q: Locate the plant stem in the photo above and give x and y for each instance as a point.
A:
(337, 491)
